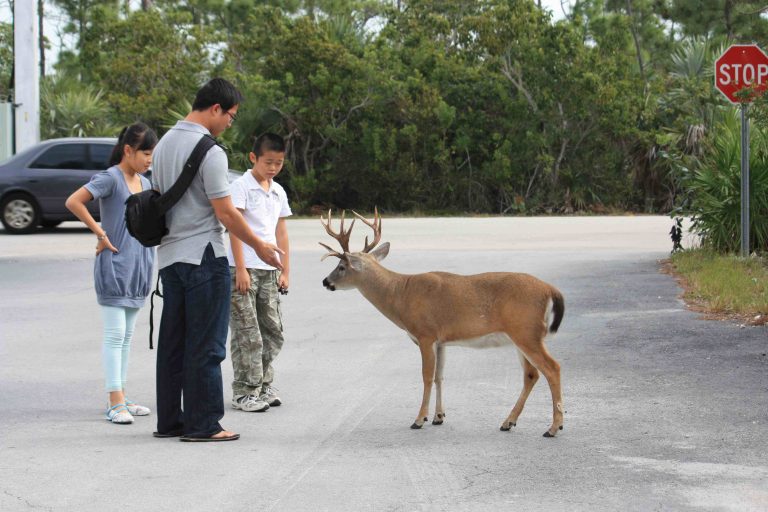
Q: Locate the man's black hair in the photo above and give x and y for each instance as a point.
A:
(268, 142)
(217, 90)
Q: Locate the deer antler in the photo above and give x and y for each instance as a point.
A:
(375, 226)
(342, 236)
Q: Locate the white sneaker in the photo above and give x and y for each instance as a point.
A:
(269, 395)
(249, 403)
(119, 414)
(136, 409)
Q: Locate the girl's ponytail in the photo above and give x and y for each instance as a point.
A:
(117, 151)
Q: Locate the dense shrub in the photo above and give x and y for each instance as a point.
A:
(714, 198)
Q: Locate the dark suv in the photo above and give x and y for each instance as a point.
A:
(35, 183)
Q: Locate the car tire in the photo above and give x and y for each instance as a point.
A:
(19, 213)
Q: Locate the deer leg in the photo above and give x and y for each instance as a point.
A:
(539, 357)
(439, 411)
(530, 376)
(428, 376)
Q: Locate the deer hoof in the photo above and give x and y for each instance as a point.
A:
(547, 434)
(415, 426)
(506, 426)
(438, 420)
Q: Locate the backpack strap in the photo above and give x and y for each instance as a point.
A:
(152, 310)
(173, 194)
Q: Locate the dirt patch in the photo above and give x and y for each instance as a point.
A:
(702, 306)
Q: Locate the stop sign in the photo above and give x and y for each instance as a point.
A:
(741, 66)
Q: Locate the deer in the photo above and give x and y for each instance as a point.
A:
(440, 309)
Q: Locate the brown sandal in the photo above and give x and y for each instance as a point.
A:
(231, 437)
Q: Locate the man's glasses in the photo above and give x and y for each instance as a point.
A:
(232, 117)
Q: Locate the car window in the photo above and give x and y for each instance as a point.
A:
(100, 154)
(62, 156)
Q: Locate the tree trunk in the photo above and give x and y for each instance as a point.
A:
(728, 21)
(147, 4)
(637, 45)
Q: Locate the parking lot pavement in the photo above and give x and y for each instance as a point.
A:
(664, 411)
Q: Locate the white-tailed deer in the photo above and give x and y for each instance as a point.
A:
(438, 309)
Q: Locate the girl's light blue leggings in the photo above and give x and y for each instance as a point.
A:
(118, 331)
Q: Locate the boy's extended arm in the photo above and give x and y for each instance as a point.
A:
(235, 223)
(281, 234)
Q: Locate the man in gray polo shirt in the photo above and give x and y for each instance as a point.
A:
(195, 272)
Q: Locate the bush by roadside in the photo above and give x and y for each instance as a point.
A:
(723, 286)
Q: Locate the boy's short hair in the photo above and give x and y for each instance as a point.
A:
(268, 142)
(217, 91)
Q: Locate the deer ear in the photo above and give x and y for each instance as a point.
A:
(381, 252)
(355, 263)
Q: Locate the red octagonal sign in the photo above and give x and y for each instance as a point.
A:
(741, 66)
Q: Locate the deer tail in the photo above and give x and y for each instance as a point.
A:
(558, 308)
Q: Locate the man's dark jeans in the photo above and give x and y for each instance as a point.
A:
(191, 346)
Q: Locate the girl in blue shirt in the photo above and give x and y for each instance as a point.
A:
(123, 267)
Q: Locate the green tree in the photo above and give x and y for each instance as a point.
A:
(302, 82)
(6, 60)
(145, 64)
(572, 104)
(82, 13)
(437, 105)
(738, 20)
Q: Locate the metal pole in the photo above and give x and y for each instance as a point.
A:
(744, 181)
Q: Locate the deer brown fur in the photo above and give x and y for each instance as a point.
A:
(439, 309)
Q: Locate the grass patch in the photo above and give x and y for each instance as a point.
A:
(724, 285)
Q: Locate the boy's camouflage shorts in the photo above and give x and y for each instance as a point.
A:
(257, 332)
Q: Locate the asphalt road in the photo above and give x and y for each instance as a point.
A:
(665, 411)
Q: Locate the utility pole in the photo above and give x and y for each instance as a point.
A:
(26, 89)
(40, 37)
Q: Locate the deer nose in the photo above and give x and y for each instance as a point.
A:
(328, 284)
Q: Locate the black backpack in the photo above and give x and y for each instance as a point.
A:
(145, 211)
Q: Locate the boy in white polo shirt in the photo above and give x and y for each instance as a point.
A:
(255, 322)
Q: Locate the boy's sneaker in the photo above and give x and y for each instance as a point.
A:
(249, 403)
(269, 395)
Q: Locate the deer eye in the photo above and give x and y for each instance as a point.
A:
(341, 267)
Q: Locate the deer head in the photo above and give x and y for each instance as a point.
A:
(352, 264)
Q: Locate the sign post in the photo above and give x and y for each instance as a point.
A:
(745, 249)
(741, 74)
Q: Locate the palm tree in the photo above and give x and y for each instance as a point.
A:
(70, 110)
